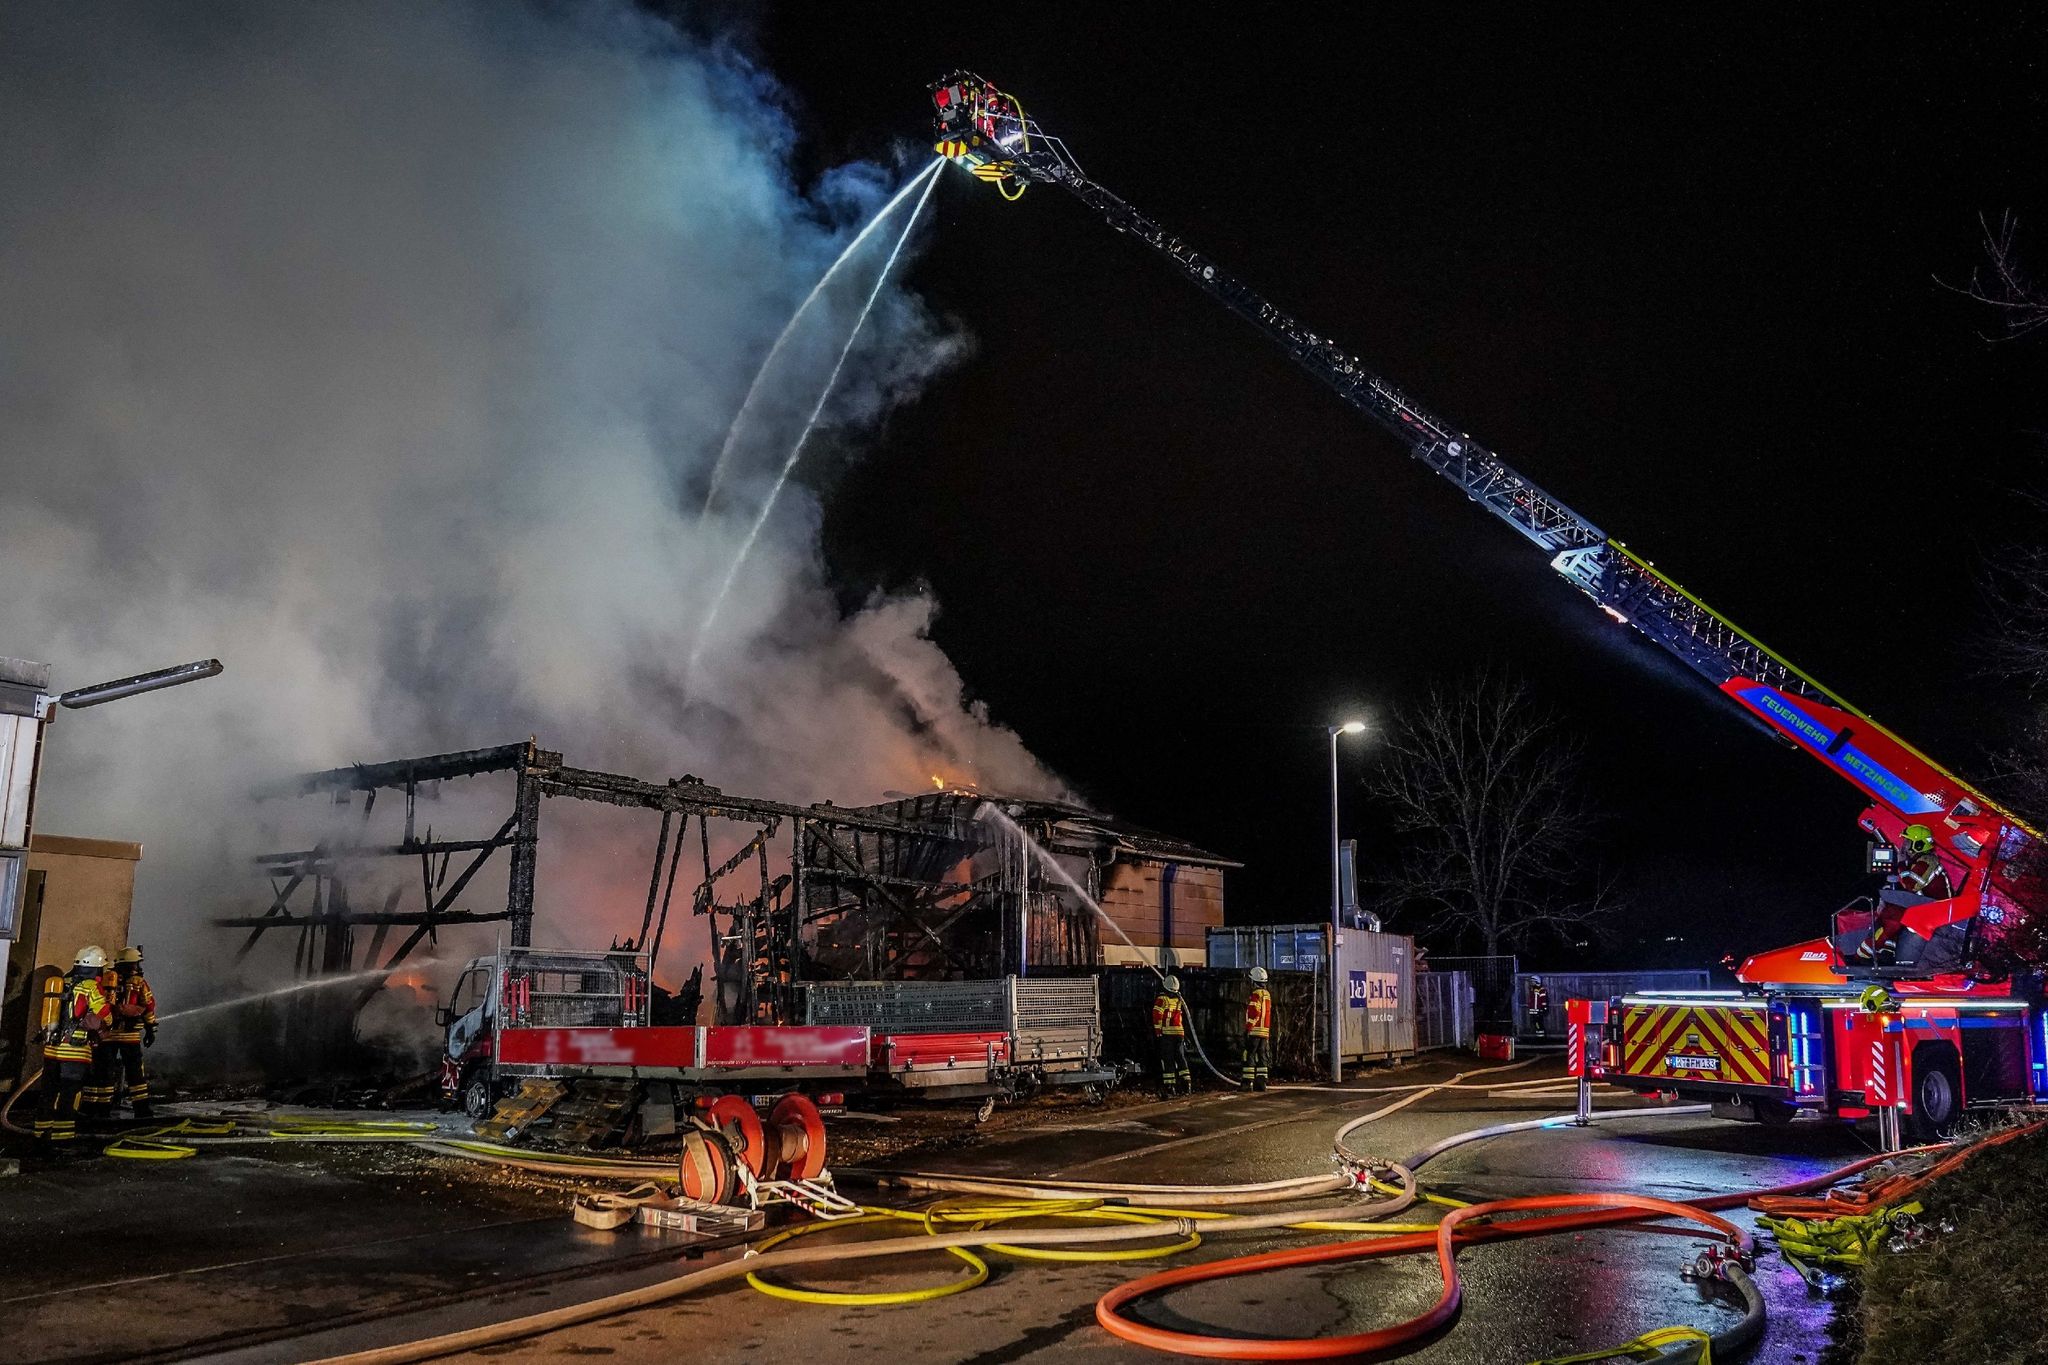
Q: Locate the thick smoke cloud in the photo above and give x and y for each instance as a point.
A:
(382, 350)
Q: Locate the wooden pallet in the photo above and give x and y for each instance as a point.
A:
(592, 1113)
(520, 1109)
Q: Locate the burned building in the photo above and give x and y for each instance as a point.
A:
(1014, 909)
(952, 884)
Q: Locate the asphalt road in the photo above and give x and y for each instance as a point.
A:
(273, 1257)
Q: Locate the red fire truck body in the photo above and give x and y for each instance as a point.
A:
(1829, 1025)
(1767, 1054)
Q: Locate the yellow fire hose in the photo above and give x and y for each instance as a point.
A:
(981, 1215)
(1649, 1346)
(183, 1138)
(1810, 1245)
(881, 1249)
(977, 1269)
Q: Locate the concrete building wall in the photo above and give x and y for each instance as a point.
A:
(88, 892)
(1144, 898)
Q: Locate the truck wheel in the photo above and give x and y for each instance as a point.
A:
(477, 1099)
(1937, 1093)
(1773, 1112)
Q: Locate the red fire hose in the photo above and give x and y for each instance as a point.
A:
(1600, 1210)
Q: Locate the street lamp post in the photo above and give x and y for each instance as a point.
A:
(1349, 727)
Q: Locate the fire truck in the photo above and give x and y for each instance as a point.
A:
(1895, 1012)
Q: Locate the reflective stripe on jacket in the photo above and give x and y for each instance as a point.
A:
(134, 1008)
(1258, 1013)
(1166, 1017)
(1926, 876)
(84, 1020)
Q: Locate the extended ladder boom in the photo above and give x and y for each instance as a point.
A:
(988, 132)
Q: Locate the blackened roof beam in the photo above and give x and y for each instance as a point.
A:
(404, 772)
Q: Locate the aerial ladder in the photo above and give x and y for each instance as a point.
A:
(1963, 860)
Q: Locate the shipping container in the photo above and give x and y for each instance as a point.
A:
(1276, 947)
(1376, 973)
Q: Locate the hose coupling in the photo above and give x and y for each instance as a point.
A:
(1713, 1263)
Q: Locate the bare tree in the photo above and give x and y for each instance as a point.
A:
(2019, 608)
(1484, 790)
(2018, 643)
(2002, 284)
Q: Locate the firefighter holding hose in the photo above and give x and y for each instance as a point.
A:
(1169, 1036)
(1258, 1032)
(83, 1016)
(134, 1029)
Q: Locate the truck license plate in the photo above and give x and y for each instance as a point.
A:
(1677, 1062)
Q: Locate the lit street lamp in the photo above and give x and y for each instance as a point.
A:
(1349, 727)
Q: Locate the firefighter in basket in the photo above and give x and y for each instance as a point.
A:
(1921, 880)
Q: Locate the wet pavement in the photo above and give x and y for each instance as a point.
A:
(106, 1259)
(326, 1248)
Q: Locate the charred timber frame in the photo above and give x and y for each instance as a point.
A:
(883, 875)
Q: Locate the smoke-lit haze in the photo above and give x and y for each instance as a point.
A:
(382, 351)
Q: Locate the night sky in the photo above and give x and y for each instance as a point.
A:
(1681, 272)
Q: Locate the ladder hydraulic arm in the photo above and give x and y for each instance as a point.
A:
(988, 132)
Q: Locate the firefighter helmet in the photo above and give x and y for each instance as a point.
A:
(1258, 974)
(129, 955)
(1172, 984)
(92, 955)
(1919, 838)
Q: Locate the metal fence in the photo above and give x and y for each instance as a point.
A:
(1550, 991)
(1443, 1011)
(1055, 1023)
(910, 1006)
(1493, 986)
(1215, 1001)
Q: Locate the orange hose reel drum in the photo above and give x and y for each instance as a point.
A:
(734, 1117)
(708, 1169)
(796, 1138)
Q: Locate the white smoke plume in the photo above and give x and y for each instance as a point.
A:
(382, 351)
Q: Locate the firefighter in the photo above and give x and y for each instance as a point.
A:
(1923, 879)
(1258, 1032)
(98, 1100)
(82, 1017)
(1169, 1034)
(1925, 875)
(134, 1029)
